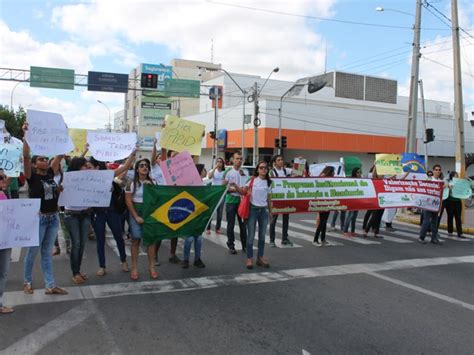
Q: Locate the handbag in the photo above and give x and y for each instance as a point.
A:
(244, 207)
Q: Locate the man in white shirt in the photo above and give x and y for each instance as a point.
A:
(279, 170)
(235, 177)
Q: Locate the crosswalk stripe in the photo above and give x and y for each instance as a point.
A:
(304, 237)
(267, 241)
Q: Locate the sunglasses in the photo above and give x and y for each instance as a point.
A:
(143, 166)
(263, 167)
(42, 159)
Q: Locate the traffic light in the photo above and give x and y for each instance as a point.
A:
(429, 135)
(277, 142)
(212, 134)
(283, 141)
(149, 81)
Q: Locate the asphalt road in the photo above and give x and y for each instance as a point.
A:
(359, 296)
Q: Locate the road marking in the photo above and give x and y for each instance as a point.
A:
(304, 237)
(423, 290)
(17, 298)
(52, 330)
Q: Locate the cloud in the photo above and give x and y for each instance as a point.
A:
(245, 40)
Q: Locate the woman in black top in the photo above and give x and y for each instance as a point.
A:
(328, 171)
(40, 176)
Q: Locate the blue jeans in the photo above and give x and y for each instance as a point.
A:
(48, 229)
(114, 221)
(197, 247)
(334, 219)
(231, 213)
(260, 215)
(351, 220)
(77, 225)
(5, 255)
(430, 221)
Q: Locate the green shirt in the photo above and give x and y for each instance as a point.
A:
(13, 185)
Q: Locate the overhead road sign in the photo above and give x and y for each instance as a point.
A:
(109, 82)
(182, 88)
(53, 78)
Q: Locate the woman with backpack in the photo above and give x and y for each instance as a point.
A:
(112, 216)
(259, 188)
(134, 200)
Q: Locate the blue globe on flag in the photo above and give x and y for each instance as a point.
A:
(180, 210)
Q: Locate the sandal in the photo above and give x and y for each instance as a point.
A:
(78, 279)
(55, 291)
(263, 262)
(84, 276)
(125, 267)
(249, 263)
(101, 271)
(153, 274)
(27, 288)
(6, 310)
(134, 275)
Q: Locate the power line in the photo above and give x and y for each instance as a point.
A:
(319, 18)
(447, 18)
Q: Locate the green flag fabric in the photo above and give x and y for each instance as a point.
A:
(351, 162)
(178, 211)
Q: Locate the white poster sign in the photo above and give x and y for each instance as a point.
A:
(10, 159)
(111, 146)
(316, 169)
(158, 137)
(47, 134)
(87, 188)
(19, 223)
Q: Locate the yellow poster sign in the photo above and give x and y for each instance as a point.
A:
(79, 139)
(388, 164)
(182, 135)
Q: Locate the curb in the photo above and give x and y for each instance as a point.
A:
(444, 226)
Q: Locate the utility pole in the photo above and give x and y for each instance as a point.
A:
(410, 146)
(243, 122)
(423, 112)
(214, 143)
(256, 123)
(458, 103)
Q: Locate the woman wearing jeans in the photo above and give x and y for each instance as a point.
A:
(328, 171)
(5, 254)
(352, 217)
(260, 189)
(40, 177)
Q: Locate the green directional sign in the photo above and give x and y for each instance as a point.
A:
(154, 109)
(53, 78)
(182, 88)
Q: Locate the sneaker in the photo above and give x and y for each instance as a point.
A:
(421, 240)
(232, 250)
(198, 263)
(316, 244)
(273, 245)
(185, 264)
(378, 236)
(390, 229)
(174, 259)
(325, 243)
(436, 241)
(286, 242)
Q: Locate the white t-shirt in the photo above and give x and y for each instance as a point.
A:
(157, 174)
(138, 195)
(260, 191)
(217, 177)
(233, 176)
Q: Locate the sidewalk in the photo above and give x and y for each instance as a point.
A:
(467, 226)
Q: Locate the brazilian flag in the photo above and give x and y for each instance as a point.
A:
(178, 211)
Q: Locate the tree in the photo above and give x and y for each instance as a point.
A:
(13, 120)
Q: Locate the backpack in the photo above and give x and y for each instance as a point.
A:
(276, 174)
(117, 202)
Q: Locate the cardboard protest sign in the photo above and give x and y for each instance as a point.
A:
(181, 171)
(413, 163)
(461, 189)
(87, 188)
(182, 135)
(316, 169)
(10, 155)
(350, 163)
(106, 146)
(19, 223)
(79, 139)
(298, 166)
(388, 164)
(47, 134)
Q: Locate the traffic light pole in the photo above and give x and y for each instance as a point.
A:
(425, 140)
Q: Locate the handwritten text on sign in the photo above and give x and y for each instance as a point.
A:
(182, 135)
(181, 171)
(10, 159)
(47, 134)
(111, 146)
(19, 223)
(87, 188)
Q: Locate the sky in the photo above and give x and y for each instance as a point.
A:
(301, 37)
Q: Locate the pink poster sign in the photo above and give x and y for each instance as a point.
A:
(181, 171)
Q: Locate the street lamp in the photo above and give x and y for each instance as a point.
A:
(11, 96)
(109, 129)
(410, 146)
(313, 86)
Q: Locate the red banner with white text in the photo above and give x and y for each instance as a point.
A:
(299, 195)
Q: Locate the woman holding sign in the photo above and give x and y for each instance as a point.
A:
(40, 176)
(328, 171)
(134, 200)
(453, 207)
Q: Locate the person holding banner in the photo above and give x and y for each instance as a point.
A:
(352, 215)
(217, 178)
(430, 219)
(235, 178)
(134, 200)
(5, 254)
(260, 208)
(279, 170)
(453, 207)
(328, 171)
(40, 177)
(112, 216)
